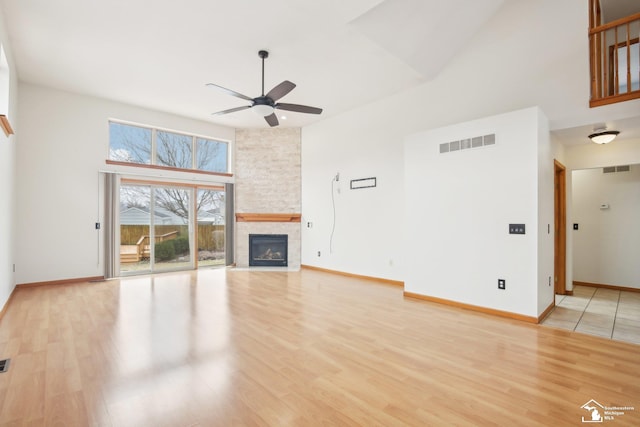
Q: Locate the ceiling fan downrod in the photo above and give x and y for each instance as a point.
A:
(263, 54)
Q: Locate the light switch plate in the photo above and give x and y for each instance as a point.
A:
(517, 229)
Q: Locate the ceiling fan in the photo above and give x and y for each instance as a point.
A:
(265, 105)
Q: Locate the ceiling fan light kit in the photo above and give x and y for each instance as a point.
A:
(265, 105)
(262, 109)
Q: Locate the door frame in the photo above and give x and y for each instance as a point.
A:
(560, 227)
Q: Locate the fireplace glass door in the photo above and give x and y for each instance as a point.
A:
(268, 250)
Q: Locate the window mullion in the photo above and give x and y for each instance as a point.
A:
(154, 151)
(194, 154)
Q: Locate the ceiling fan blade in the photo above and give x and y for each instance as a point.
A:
(271, 119)
(231, 92)
(231, 110)
(281, 90)
(299, 108)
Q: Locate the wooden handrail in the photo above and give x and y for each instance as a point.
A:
(617, 23)
(161, 238)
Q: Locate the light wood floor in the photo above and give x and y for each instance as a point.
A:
(226, 348)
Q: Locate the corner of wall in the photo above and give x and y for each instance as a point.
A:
(8, 174)
(546, 242)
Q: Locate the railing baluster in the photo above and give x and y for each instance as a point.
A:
(628, 58)
(616, 64)
(604, 59)
(610, 81)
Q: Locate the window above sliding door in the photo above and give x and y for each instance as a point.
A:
(158, 148)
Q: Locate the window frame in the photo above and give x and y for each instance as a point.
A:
(154, 149)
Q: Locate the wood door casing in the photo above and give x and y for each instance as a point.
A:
(560, 228)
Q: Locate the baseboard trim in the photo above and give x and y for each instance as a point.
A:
(357, 276)
(60, 282)
(600, 285)
(486, 310)
(546, 312)
(6, 305)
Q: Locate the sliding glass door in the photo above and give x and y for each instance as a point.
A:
(135, 228)
(170, 227)
(173, 234)
(155, 228)
(211, 226)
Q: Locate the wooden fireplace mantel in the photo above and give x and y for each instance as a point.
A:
(268, 217)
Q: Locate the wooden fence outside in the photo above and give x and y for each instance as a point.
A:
(210, 237)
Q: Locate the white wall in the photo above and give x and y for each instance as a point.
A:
(529, 53)
(547, 152)
(459, 206)
(619, 152)
(8, 174)
(607, 242)
(588, 156)
(366, 238)
(64, 143)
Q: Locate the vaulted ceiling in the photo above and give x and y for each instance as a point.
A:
(160, 54)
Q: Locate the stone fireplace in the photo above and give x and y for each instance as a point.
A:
(268, 188)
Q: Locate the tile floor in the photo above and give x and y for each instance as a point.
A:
(597, 311)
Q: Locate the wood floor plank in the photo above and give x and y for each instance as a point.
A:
(225, 347)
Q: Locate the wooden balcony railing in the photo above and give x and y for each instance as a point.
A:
(614, 58)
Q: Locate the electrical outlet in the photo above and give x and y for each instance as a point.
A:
(502, 284)
(309, 224)
(318, 253)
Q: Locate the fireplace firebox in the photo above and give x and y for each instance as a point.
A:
(268, 250)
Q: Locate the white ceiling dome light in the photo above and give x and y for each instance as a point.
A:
(603, 136)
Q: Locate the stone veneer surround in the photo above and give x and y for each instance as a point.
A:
(268, 179)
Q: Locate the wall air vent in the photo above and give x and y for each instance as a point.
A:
(467, 143)
(613, 169)
(489, 139)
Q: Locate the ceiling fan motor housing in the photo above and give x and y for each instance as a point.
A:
(263, 105)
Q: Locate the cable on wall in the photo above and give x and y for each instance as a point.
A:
(334, 180)
(98, 221)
